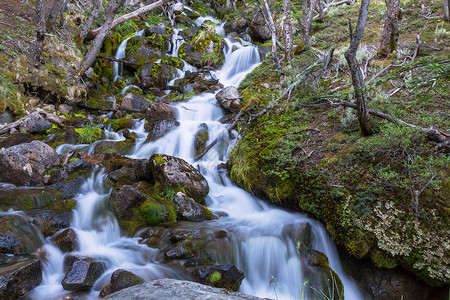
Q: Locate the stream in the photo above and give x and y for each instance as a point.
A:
(261, 238)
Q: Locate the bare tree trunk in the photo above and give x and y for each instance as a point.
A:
(56, 11)
(446, 9)
(390, 35)
(287, 29)
(40, 32)
(270, 23)
(274, 35)
(90, 56)
(357, 77)
(90, 19)
(307, 18)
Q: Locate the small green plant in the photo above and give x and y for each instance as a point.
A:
(348, 118)
(440, 33)
(215, 277)
(89, 134)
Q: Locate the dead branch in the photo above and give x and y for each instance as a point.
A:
(213, 143)
(48, 116)
(325, 10)
(127, 62)
(416, 50)
(92, 34)
(440, 139)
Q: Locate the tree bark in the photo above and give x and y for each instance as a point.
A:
(389, 39)
(307, 18)
(447, 9)
(40, 31)
(91, 35)
(90, 19)
(90, 56)
(274, 35)
(57, 11)
(287, 29)
(357, 77)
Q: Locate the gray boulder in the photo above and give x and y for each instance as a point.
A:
(175, 173)
(24, 164)
(19, 277)
(17, 236)
(120, 279)
(189, 210)
(134, 102)
(230, 98)
(172, 289)
(34, 122)
(49, 221)
(81, 272)
(258, 30)
(160, 119)
(238, 25)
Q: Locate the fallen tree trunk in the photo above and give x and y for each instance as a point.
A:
(92, 34)
(127, 62)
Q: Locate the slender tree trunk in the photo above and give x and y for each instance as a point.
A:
(90, 56)
(287, 29)
(40, 32)
(274, 35)
(357, 77)
(390, 35)
(90, 19)
(447, 9)
(307, 18)
(56, 11)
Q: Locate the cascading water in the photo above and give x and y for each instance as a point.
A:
(262, 239)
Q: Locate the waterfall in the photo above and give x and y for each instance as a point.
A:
(259, 242)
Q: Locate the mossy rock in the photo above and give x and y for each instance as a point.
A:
(89, 134)
(27, 198)
(66, 135)
(123, 123)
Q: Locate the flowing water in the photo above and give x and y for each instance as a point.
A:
(262, 240)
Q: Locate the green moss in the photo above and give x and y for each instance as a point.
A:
(215, 277)
(159, 160)
(382, 259)
(153, 213)
(122, 123)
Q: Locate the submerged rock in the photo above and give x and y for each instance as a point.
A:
(230, 98)
(19, 277)
(17, 236)
(226, 276)
(200, 139)
(120, 279)
(172, 289)
(25, 164)
(49, 221)
(81, 272)
(176, 173)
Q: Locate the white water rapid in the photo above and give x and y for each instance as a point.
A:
(262, 239)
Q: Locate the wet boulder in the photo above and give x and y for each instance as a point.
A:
(157, 29)
(120, 279)
(24, 164)
(176, 173)
(122, 147)
(200, 139)
(300, 234)
(134, 102)
(16, 139)
(69, 187)
(81, 272)
(160, 119)
(321, 276)
(238, 25)
(67, 240)
(258, 30)
(155, 75)
(27, 198)
(19, 277)
(142, 53)
(180, 251)
(204, 49)
(172, 289)
(49, 221)
(230, 98)
(66, 135)
(126, 197)
(17, 236)
(223, 276)
(34, 123)
(189, 210)
(79, 166)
